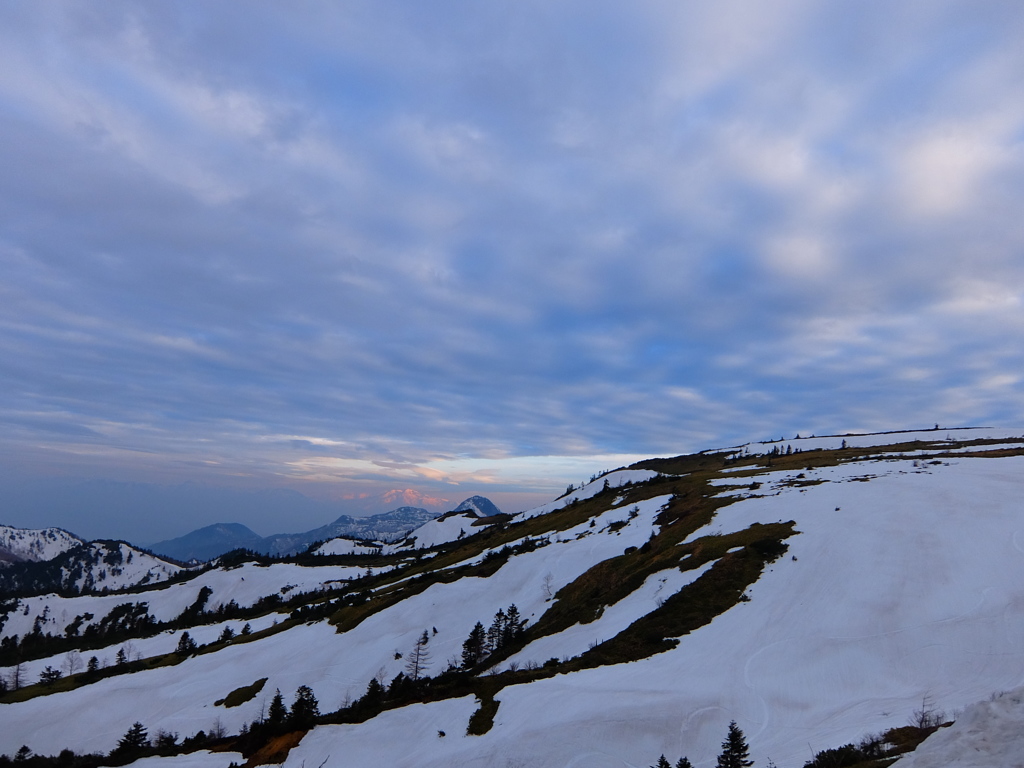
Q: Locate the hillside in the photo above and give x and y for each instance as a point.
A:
(214, 540)
(97, 566)
(33, 545)
(813, 590)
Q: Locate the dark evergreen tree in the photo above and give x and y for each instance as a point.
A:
(474, 650)
(49, 676)
(186, 644)
(496, 632)
(513, 625)
(93, 665)
(247, 629)
(374, 695)
(662, 763)
(278, 712)
(133, 742)
(121, 658)
(305, 710)
(735, 752)
(684, 763)
(227, 635)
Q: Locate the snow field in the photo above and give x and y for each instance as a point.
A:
(342, 546)
(245, 585)
(615, 479)
(144, 647)
(336, 666)
(578, 638)
(201, 759)
(877, 439)
(989, 734)
(915, 586)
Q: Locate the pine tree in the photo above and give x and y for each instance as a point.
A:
(475, 648)
(662, 763)
(135, 740)
(735, 752)
(278, 712)
(93, 665)
(496, 633)
(305, 709)
(121, 658)
(374, 693)
(513, 625)
(684, 763)
(49, 676)
(186, 644)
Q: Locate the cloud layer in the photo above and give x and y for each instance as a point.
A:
(359, 244)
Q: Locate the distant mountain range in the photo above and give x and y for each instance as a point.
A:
(214, 540)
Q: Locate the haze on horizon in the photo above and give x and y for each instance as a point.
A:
(337, 250)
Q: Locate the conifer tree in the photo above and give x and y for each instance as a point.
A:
(513, 625)
(278, 712)
(121, 658)
(186, 644)
(374, 693)
(49, 676)
(662, 763)
(93, 665)
(684, 763)
(735, 752)
(475, 648)
(305, 710)
(134, 741)
(496, 632)
(419, 657)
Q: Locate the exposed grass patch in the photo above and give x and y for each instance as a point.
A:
(481, 721)
(698, 603)
(241, 695)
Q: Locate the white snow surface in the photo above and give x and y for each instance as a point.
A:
(877, 439)
(578, 638)
(911, 583)
(449, 527)
(343, 546)
(201, 759)
(614, 479)
(36, 544)
(989, 734)
(132, 568)
(245, 585)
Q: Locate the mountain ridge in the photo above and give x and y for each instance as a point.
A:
(812, 592)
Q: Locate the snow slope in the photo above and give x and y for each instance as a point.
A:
(35, 544)
(906, 579)
(989, 734)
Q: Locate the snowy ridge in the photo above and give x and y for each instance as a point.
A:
(902, 578)
(114, 565)
(19, 544)
(989, 734)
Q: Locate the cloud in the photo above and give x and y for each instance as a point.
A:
(354, 246)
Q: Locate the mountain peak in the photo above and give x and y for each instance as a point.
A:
(483, 506)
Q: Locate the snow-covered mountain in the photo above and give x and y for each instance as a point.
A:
(98, 566)
(26, 544)
(215, 540)
(815, 591)
(483, 506)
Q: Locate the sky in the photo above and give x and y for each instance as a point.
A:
(269, 263)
